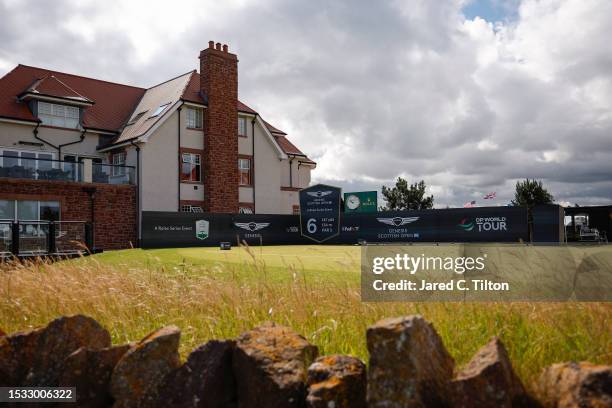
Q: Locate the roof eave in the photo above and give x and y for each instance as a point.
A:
(25, 96)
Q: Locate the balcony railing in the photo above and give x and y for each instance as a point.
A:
(113, 174)
(40, 169)
(48, 169)
(41, 238)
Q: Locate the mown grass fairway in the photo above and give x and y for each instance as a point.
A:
(210, 294)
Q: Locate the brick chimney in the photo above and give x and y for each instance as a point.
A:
(219, 84)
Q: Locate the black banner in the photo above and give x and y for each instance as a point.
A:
(485, 224)
(320, 212)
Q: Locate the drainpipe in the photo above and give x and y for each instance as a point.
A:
(35, 131)
(180, 164)
(59, 147)
(253, 158)
(91, 191)
(138, 209)
(291, 172)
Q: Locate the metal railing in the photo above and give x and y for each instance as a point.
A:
(25, 238)
(113, 174)
(50, 169)
(40, 169)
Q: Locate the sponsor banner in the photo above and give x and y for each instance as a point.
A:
(179, 229)
(320, 212)
(361, 202)
(483, 224)
(489, 224)
(258, 229)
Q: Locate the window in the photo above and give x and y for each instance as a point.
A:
(296, 209)
(242, 124)
(118, 163)
(7, 209)
(190, 167)
(29, 210)
(58, 115)
(194, 118)
(32, 163)
(49, 210)
(135, 118)
(191, 208)
(244, 167)
(159, 110)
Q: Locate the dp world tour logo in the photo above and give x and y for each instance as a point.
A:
(397, 221)
(319, 194)
(484, 224)
(252, 226)
(201, 229)
(466, 225)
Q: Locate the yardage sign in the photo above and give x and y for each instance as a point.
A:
(320, 212)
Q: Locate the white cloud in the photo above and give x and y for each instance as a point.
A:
(373, 90)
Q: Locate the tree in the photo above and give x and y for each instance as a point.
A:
(530, 193)
(405, 197)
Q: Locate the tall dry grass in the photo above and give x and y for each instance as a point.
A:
(221, 301)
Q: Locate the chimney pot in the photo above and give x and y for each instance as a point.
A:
(218, 46)
(211, 44)
(224, 47)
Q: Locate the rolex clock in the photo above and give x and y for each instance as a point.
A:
(352, 202)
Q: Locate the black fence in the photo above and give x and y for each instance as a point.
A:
(485, 224)
(44, 238)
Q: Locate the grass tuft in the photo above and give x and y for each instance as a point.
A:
(216, 295)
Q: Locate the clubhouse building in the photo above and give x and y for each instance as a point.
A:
(80, 149)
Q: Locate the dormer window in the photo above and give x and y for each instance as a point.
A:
(53, 114)
(159, 110)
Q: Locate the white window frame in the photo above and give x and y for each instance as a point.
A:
(245, 210)
(20, 159)
(194, 118)
(242, 126)
(119, 159)
(54, 114)
(16, 209)
(195, 159)
(159, 110)
(241, 169)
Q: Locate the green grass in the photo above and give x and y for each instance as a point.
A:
(211, 294)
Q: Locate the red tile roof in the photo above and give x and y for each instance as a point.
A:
(51, 86)
(192, 94)
(113, 103)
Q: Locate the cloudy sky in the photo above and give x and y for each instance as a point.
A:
(467, 95)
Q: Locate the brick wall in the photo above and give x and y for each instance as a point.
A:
(114, 206)
(219, 82)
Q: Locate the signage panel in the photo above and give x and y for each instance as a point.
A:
(361, 202)
(320, 212)
(322, 222)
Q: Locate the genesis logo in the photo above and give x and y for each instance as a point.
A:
(397, 221)
(465, 225)
(319, 194)
(252, 226)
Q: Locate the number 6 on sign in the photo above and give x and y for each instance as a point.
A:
(311, 226)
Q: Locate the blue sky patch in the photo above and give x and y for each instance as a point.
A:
(492, 10)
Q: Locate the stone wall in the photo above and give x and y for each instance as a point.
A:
(115, 211)
(272, 366)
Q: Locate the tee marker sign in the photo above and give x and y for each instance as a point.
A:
(320, 212)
